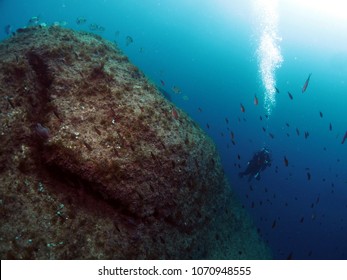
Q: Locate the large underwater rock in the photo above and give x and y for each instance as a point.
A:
(96, 163)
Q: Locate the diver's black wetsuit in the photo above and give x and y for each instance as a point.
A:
(258, 163)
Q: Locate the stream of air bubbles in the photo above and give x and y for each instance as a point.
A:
(268, 51)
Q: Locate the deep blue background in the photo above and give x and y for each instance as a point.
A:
(208, 49)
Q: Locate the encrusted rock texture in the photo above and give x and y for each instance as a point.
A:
(95, 163)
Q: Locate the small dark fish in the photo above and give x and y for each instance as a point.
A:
(271, 135)
(330, 127)
(285, 161)
(21, 30)
(8, 29)
(308, 176)
(34, 20)
(273, 224)
(165, 93)
(264, 129)
(162, 83)
(261, 118)
(81, 20)
(298, 131)
(287, 124)
(199, 109)
(302, 220)
(176, 89)
(344, 138)
(232, 135)
(321, 114)
(256, 100)
(208, 126)
(290, 95)
(317, 200)
(277, 90)
(242, 108)
(226, 120)
(96, 27)
(238, 157)
(306, 83)
(306, 134)
(128, 40)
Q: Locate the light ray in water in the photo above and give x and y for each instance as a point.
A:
(268, 51)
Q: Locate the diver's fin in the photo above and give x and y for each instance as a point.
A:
(257, 176)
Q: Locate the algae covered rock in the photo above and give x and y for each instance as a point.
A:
(96, 163)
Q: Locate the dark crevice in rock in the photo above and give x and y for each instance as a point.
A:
(39, 98)
(40, 67)
(90, 188)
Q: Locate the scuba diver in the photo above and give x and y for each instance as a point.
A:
(259, 162)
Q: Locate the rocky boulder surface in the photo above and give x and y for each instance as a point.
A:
(96, 164)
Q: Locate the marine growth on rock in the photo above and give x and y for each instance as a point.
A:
(95, 163)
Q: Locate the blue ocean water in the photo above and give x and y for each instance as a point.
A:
(221, 54)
